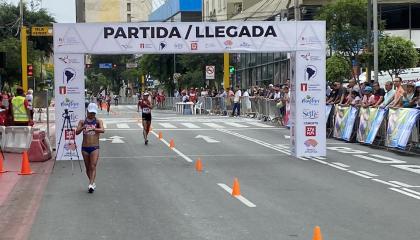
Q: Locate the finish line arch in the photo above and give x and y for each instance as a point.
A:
(305, 40)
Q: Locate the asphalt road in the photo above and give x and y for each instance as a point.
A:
(154, 192)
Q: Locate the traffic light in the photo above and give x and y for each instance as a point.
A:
(30, 70)
(231, 69)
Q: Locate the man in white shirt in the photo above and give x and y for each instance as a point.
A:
(389, 94)
(236, 102)
(29, 97)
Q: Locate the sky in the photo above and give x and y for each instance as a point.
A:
(64, 11)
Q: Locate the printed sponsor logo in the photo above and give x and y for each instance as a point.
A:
(309, 57)
(162, 45)
(314, 87)
(70, 146)
(69, 104)
(310, 114)
(66, 41)
(303, 87)
(310, 131)
(62, 90)
(310, 72)
(178, 46)
(309, 40)
(145, 45)
(69, 74)
(245, 45)
(194, 46)
(69, 134)
(228, 43)
(67, 60)
(311, 145)
(73, 90)
(126, 46)
(310, 100)
(310, 123)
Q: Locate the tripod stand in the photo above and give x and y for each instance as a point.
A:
(71, 136)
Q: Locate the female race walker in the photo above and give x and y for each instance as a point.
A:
(146, 114)
(91, 128)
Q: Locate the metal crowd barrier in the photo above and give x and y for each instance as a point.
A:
(16, 139)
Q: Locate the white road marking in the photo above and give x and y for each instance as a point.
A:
(378, 160)
(260, 124)
(358, 174)
(347, 150)
(404, 184)
(174, 149)
(384, 182)
(392, 160)
(411, 168)
(287, 136)
(167, 125)
(122, 125)
(405, 193)
(321, 158)
(320, 161)
(338, 167)
(207, 139)
(412, 191)
(214, 125)
(233, 124)
(240, 197)
(190, 125)
(341, 164)
(368, 173)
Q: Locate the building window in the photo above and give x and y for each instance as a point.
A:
(128, 17)
(396, 16)
(128, 7)
(415, 16)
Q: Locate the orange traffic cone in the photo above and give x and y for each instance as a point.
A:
(160, 136)
(172, 143)
(26, 168)
(198, 165)
(1, 164)
(317, 233)
(236, 190)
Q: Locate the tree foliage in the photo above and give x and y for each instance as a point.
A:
(346, 26)
(396, 54)
(337, 69)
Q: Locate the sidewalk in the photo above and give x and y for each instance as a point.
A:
(20, 196)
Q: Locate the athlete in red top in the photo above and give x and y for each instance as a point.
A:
(146, 114)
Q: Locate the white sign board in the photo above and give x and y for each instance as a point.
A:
(305, 39)
(131, 65)
(308, 103)
(69, 103)
(184, 37)
(210, 72)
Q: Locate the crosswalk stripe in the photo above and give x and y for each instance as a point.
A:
(233, 124)
(213, 125)
(122, 125)
(190, 125)
(260, 124)
(167, 125)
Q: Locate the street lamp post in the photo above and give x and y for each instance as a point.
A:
(375, 38)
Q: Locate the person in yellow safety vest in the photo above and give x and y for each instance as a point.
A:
(20, 111)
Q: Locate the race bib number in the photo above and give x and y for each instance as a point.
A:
(146, 110)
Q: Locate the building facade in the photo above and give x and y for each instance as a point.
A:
(401, 18)
(112, 10)
(222, 10)
(178, 11)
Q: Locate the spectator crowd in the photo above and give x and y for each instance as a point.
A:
(16, 109)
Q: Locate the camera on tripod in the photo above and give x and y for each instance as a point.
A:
(66, 113)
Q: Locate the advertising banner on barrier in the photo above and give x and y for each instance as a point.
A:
(189, 37)
(328, 111)
(366, 118)
(400, 125)
(344, 122)
(308, 103)
(69, 104)
(376, 124)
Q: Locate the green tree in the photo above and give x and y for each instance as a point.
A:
(346, 26)
(396, 54)
(337, 69)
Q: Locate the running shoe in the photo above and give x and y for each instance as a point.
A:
(94, 186)
(146, 142)
(90, 188)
